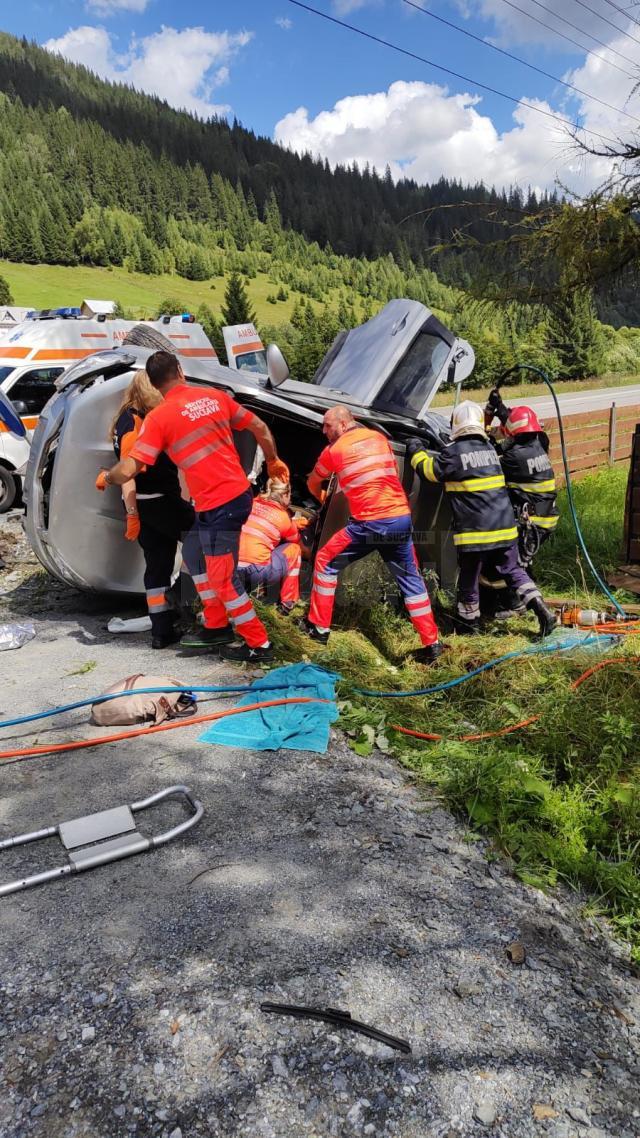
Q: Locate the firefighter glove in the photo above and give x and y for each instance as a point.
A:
(414, 445)
(496, 405)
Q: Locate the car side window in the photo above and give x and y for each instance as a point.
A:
(35, 388)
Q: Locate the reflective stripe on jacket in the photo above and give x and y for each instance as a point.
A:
(470, 471)
(267, 526)
(530, 479)
(367, 474)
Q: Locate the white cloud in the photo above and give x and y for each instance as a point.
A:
(422, 131)
(112, 7)
(513, 26)
(184, 67)
(284, 22)
(345, 7)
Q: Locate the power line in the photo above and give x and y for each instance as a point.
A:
(609, 22)
(622, 12)
(510, 55)
(564, 36)
(448, 71)
(576, 28)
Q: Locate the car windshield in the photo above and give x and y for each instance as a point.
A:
(5, 372)
(253, 361)
(416, 376)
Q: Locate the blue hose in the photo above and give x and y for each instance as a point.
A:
(565, 646)
(594, 572)
(116, 695)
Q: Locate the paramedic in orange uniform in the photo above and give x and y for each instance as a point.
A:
(365, 467)
(194, 426)
(270, 545)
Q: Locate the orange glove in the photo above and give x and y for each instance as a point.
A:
(278, 469)
(101, 480)
(133, 527)
(322, 497)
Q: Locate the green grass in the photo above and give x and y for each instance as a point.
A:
(560, 799)
(599, 501)
(49, 286)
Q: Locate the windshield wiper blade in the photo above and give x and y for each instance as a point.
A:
(338, 1019)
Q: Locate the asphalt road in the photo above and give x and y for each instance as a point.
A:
(575, 402)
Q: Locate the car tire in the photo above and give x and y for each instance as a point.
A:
(9, 489)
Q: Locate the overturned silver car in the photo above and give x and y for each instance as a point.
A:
(387, 371)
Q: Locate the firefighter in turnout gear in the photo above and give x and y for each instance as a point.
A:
(380, 519)
(485, 531)
(523, 447)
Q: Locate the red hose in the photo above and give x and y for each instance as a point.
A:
(30, 752)
(523, 722)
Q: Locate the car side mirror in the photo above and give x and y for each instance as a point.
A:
(277, 366)
(19, 407)
(462, 362)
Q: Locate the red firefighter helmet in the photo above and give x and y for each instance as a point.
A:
(522, 421)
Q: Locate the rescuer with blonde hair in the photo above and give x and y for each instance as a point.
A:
(270, 545)
(157, 514)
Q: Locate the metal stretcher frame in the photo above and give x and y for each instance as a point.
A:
(108, 835)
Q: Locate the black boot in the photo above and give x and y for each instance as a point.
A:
(546, 617)
(206, 639)
(466, 627)
(429, 653)
(312, 631)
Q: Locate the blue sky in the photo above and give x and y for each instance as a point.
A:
(313, 85)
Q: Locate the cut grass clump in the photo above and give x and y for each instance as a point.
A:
(561, 798)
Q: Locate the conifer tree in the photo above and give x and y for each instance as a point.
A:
(213, 331)
(576, 335)
(237, 306)
(5, 292)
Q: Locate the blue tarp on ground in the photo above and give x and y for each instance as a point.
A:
(296, 726)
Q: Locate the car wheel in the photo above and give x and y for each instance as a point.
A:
(8, 490)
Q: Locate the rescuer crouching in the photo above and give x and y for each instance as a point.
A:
(485, 530)
(270, 545)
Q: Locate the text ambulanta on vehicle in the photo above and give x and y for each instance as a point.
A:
(34, 355)
(245, 350)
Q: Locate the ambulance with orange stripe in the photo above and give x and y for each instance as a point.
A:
(35, 353)
(245, 350)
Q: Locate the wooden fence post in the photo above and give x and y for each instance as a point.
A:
(612, 434)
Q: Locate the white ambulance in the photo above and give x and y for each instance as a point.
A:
(245, 350)
(35, 354)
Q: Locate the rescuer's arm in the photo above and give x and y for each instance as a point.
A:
(132, 528)
(275, 466)
(122, 472)
(496, 408)
(423, 461)
(321, 472)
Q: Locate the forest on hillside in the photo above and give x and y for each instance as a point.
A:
(99, 174)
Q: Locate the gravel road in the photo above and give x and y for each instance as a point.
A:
(129, 996)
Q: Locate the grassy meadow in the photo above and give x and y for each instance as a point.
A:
(559, 799)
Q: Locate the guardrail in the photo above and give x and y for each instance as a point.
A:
(593, 439)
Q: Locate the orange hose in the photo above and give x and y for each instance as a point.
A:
(523, 722)
(80, 744)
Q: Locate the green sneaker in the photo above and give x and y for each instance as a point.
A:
(206, 639)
